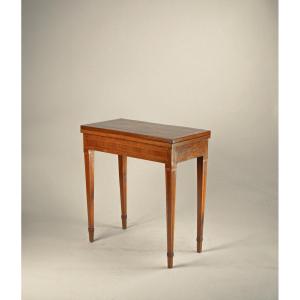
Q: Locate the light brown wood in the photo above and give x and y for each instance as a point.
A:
(89, 175)
(127, 147)
(123, 188)
(156, 142)
(147, 130)
(170, 170)
(190, 149)
(201, 193)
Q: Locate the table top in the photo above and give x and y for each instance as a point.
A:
(152, 131)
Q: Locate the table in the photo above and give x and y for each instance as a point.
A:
(150, 141)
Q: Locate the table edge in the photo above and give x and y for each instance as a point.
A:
(88, 130)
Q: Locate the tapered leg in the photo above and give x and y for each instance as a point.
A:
(123, 188)
(201, 192)
(89, 176)
(170, 193)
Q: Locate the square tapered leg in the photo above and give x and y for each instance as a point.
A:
(170, 210)
(201, 193)
(123, 188)
(89, 176)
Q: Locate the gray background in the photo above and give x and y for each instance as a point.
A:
(205, 64)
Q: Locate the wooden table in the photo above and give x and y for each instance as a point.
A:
(156, 142)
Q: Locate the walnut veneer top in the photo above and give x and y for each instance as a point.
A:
(152, 131)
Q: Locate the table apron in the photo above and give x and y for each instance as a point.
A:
(127, 148)
(191, 149)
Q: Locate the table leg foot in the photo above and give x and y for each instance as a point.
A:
(124, 221)
(170, 260)
(91, 234)
(199, 246)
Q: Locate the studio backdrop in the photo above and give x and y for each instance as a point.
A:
(205, 64)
